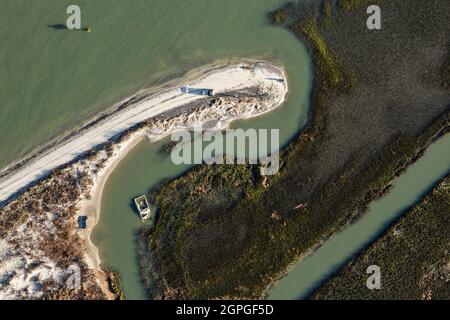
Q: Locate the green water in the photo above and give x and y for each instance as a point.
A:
(407, 190)
(53, 80)
(177, 36)
(115, 234)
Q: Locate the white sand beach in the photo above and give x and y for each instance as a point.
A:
(242, 90)
(149, 103)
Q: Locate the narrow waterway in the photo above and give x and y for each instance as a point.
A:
(145, 166)
(227, 29)
(115, 234)
(407, 190)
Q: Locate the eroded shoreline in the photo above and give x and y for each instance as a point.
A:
(90, 170)
(131, 112)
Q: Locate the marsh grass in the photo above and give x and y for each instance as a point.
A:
(413, 255)
(224, 231)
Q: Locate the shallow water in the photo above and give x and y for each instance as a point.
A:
(53, 79)
(200, 32)
(407, 190)
(115, 234)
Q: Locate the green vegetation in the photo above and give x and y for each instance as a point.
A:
(326, 14)
(327, 9)
(226, 222)
(280, 17)
(334, 74)
(349, 5)
(115, 284)
(225, 231)
(205, 194)
(445, 74)
(413, 256)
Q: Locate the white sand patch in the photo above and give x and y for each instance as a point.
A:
(24, 269)
(150, 103)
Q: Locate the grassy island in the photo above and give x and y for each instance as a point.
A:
(379, 100)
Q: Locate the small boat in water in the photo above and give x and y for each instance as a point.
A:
(143, 207)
